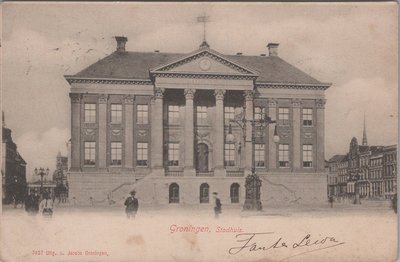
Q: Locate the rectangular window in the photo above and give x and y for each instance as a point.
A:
(229, 154)
(283, 155)
(229, 113)
(116, 113)
(90, 113)
(90, 154)
(143, 114)
(259, 113)
(173, 114)
(173, 154)
(307, 116)
(307, 156)
(201, 112)
(141, 154)
(116, 153)
(283, 116)
(259, 155)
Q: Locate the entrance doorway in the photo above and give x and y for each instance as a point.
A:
(202, 157)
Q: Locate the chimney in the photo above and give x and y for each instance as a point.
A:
(239, 53)
(121, 41)
(273, 49)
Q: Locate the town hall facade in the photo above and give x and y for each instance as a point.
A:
(158, 122)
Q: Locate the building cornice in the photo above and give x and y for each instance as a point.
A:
(203, 75)
(322, 86)
(115, 81)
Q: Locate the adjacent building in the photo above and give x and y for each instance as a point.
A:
(13, 168)
(158, 122)
(368, 172)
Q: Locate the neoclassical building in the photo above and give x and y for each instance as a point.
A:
(158, 122)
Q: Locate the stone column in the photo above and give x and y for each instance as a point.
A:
(297, 150)
(157, 134)
(189, 133)
(249, 94)
(128, 132)
(219, 133)
(272, 154)
(102, 140)
(76, 100)
(320, 165)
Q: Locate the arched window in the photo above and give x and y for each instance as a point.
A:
(235, 193)
(174, 193)
(204, 193)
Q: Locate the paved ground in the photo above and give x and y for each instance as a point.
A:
(359, 233)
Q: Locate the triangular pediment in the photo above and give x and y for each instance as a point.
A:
(205, 61)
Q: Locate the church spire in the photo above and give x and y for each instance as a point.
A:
(364, 140)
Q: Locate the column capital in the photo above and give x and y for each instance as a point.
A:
(75, 98)
(189, 93)
(249, 95)
(296, 102)
(320, 103)
(159, 93)
(219, 94)
(272, 102)
(128, 99)
(103, 98)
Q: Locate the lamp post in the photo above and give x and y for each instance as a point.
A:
(41, 172)
(253, 182)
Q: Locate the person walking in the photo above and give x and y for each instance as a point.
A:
(132, 205)
(46, 206)
(218, 205)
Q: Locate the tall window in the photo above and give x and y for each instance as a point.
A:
(173, 154)
(307, 117)
(173, 114)
(201, 115)
(116, 153)
(142, 114)
(229, 154)
(142, 154)
(204, 193)
(116, 113)
(90, 113)
(283, 115)
(174, 193)
(307, 156)
(259, 155)
(283, 155)
(90, 154)
(259, 113)
(235, 193)
(229, 113)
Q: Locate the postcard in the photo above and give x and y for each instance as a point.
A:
(199, 131)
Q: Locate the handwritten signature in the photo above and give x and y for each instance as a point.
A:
(249, 242)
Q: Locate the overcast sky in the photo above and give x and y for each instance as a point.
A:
(352, 46)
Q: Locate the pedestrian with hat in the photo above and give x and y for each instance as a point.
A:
(218, 205)
(132, 205)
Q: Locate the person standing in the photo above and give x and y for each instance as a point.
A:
(132, 205)
(46, 206)
(218, 205)
(28, 203)
(331, 200)
(394, 203)
(34, 203)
